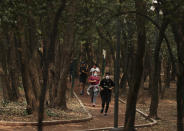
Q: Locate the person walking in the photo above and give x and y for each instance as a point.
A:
(94, 69)
(106, 86)
(83, 77)
(94, 88)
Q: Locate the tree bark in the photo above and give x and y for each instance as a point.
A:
(156, 72)
(178, 29)
(138, 68)
(48, 58)
(167, 75)
(123, 82)
(9, 64)
(63, 54)
(28, 72)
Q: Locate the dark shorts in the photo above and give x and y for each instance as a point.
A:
(82, 78)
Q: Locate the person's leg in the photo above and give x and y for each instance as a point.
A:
(94, 98)
(107, 101)
(103, 102)
(83, 83)
(70, 77)
(80, 84)
(107, 106)
(92, 94)
(83, 87)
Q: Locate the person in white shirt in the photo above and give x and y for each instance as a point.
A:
(95, 69)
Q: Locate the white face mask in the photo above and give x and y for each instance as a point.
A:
(107, 77)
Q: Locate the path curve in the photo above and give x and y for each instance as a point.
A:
(151, 123)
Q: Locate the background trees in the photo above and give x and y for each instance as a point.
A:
(38, 39)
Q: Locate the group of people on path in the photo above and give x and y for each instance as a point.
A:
(96, 86)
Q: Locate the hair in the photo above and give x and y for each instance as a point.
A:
(95, 64)
(107, 73)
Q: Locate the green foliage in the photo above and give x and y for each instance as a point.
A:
(25, 113)
(36, 16)
(51, 114)
(4, 103)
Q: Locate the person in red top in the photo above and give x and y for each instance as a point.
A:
(94, 88)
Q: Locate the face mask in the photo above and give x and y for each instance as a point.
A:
(107, 77)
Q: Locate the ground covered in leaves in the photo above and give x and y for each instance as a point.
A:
(16, 111)
(166, 112)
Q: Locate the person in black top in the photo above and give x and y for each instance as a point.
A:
(106, 85)
(83, 77)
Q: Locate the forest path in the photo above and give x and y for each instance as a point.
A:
(98, 121)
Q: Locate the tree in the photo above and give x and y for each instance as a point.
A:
(177, 27)
(138, 68)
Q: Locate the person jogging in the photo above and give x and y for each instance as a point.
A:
(106, 86)
(83, 77)
(94, 69)
(94, 88)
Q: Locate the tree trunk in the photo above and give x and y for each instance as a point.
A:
(138, 68)
(28, 68)
(100, 33)
(14, 76)
(4, 87)
(63, 54)
(154, 91)
(60, 100)
(32, 102)
(125, 52)
(123, 82)
(10, 70)
(141, 95)
(89, 53)
(166, 77)
(156, 71)
(178, 29)
(29, 72)
(48, 58)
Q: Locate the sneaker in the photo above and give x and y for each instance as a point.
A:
(101, 111)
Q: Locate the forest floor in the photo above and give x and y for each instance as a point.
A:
(166, 112)
(16, 111)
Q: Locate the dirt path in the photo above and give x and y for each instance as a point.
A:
(166, 111)
(98, 121)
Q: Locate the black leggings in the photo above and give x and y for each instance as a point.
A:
(106, 98)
